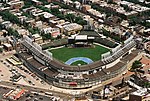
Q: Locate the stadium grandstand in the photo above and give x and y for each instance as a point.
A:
(61, 75)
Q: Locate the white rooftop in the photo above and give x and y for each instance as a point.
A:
(147, 30)
(48, 15)
(140, 92)
(81, 37)
(7, 45)
(36, 35)
(35, 1)
(72, 26)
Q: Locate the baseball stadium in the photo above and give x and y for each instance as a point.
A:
(79, 62)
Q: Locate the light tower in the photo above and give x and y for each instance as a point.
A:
(83, 1)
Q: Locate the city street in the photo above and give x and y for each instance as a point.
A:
(34, 89)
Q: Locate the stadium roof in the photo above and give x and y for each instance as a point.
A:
(89, 33)
(81, 37)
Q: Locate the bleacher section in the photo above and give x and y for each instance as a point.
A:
(50, 72)
(35, 49)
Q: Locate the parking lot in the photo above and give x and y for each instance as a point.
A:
(9, 72)
(21, 75)
(28, 96)
(3, 90)
(34, 96)
(4, 71)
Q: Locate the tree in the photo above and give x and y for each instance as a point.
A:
(136, 64)
(78, 18)
(97, 7)
(61, 16)
(6, 15)
(146, 84)
(105, 32)
(26, 14)
(1, 50)
(70, 17)
(59, 37)
(36, 30)
(134, 20)
(31, 30)
(13, 32)
(1, 26)
(46, 36)
(82, 22)
(44, 8)
(135, 68)
(55, 11)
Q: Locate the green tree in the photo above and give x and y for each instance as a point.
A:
(44, 8)
(46, 36)
(97, 7)
(146, 84)
(105, 32)
(1, 50)
(6, 15)
(13, 32)
(70, 17)
(36, 30)
(136, 64)
(61, 5)
(78, 18)
(82, 22)
(59, 37)
(26, 14)
(31, 30)
(1, 26)
(55, 11)
(61, 16)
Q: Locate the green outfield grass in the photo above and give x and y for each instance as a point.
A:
(65, 53)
